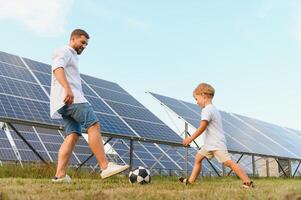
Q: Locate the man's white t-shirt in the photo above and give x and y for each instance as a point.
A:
(214, 138)
(67, 58)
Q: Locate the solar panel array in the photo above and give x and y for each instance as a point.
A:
(24, 92)
(243, 134)
(160, 157)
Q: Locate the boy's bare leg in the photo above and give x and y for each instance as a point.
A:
(238, 170)
(196, 168)
(65, 154)
(96, 145)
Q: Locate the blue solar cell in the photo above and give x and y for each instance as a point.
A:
(11, 59)
(153, 131)
(98, 105)
(47, 89)
(22, 89)
(7, 155)
(102, 83)
(38, 66)
(193, 107)
(168, 101)
(6, 151)
(51, 138)
(277, 135)
(113, 124)
(45, 79)
(88, 91)
(116, 96)
(246, 136)
(27, 110)
(134, 112)
(82, 150)
(16, 72)
(185, 113)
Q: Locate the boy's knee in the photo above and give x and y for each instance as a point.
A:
(198, 158)
(228, 163)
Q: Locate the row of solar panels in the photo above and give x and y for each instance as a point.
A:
(158, 157)
(24, 96)
(243, 134)
(47, 143)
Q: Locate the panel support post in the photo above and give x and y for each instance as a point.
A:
(253, 165)
(186, 152)
(131, 154)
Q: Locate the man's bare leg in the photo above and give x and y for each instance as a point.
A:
(65, 154)
(96, 145)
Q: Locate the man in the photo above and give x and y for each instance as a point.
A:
(67, 101)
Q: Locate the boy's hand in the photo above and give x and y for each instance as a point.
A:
(187, 141)
(69, 98)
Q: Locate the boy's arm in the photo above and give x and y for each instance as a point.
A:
(197, 133)
(59, 74)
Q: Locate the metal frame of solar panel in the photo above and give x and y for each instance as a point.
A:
(244, 135)
(120, 115)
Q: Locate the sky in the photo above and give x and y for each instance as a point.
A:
(248, 50)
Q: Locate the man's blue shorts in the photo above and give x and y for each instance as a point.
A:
(76, 116)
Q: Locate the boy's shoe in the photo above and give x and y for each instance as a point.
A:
(184, 180)
(248, 185)
(65, 179)
(112, 170)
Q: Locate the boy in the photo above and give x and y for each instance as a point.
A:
(215, 141)
(67, 101)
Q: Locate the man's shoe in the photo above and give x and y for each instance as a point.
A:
(65, 179)
(112, 170)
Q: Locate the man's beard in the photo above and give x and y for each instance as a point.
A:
(79, 50)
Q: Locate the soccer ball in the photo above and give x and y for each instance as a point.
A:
(140, 175)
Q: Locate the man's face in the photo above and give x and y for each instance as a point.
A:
(79, 43)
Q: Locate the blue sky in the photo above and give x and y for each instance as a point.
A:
(248, 50)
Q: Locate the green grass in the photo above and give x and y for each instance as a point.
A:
(33, 182)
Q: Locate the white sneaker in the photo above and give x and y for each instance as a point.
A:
(65, 179)
(112, 170)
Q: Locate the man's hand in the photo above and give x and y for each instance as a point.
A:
(69, 97)
(187, 141)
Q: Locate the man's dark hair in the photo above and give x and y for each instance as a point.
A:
(79, 32)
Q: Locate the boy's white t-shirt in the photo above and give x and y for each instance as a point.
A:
(67, 58)
(214, 138)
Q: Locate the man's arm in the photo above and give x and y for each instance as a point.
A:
(197, 133)
(59, 74)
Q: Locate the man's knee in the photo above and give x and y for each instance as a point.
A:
(73, 138)
(95, 126)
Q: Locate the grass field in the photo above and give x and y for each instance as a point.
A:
(33, 182)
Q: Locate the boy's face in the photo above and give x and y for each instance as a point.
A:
(200, 100)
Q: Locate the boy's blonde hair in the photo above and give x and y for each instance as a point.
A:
(204, 88)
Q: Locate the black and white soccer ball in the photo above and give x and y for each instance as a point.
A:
(139, 175)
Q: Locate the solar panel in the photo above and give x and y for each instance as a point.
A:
(52, 140)
(139, 118)
(11, 59)
(6, 151)
(22, 98)
(242, 134)
(25, 152)
(22, 93)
